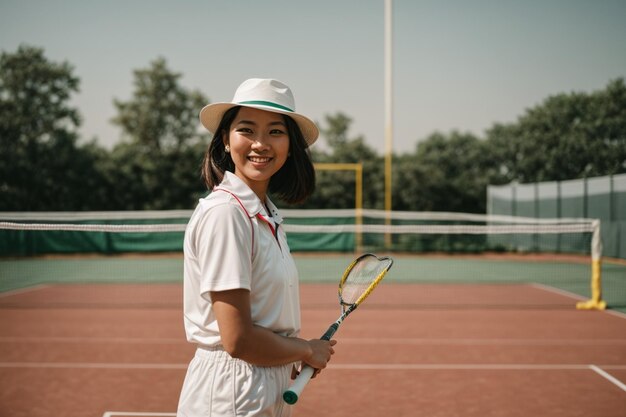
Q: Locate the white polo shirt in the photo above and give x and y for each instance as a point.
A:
(231, 242)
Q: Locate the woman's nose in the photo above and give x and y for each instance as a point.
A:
(260, 142)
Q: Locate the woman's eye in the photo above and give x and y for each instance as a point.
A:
(277, 132)
(244, 130)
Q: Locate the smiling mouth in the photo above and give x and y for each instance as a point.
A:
(259, 159)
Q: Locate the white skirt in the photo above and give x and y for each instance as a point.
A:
(217, 385)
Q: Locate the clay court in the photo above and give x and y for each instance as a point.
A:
(114, 350)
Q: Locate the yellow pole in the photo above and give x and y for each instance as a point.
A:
(359, 206)
(388, 114)
(358, 192)
(596, 302)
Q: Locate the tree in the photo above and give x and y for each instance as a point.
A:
(161, 114)
(41, 166)
(414, 186)
(157, 164)
(335, 189)
(447, 173)
(568, 136)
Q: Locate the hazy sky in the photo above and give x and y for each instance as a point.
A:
(457, 64)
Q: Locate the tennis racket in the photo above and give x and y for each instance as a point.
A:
(357, 283)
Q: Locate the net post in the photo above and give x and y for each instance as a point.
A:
(596, 302)
(359, 205)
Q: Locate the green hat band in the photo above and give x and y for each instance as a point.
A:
(267, 103)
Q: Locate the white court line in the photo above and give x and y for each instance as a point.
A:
(349, 341)
(23, 290)
(445, 367)
(559, 291)
(98, 340)
(608, 376)
(470, 367)
(134, 413)
(480, 342)
(356, 366)
(616, 313)
(574, 296)
(87, 365)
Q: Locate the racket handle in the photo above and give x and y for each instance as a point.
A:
(330, 332)
(291, 395)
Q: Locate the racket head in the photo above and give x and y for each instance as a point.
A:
(361, 277)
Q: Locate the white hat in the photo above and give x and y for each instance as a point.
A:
(265, 94)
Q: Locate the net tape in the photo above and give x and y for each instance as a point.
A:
(338, 228)
(109, 228)
(44, 217)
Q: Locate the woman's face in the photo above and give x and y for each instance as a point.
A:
(259, 146)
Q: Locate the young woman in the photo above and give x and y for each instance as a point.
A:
(241, 297)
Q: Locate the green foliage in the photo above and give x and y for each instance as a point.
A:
(157, 163)
(41, 166)
(161, 113)
(447, 173)
(336, 189)
(568, 136)
(162, 180)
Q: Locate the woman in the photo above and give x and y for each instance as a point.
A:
(241, 297)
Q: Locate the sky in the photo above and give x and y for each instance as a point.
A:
(457, 65)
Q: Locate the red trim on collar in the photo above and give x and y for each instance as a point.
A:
(245, 211)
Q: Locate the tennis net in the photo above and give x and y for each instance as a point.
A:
(145, 248)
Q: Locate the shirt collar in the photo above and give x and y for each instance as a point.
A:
(278, 219)
(248, 198)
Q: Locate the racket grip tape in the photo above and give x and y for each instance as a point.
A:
(330, 332)
(293, 393)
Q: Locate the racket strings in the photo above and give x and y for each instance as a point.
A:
(360, 277)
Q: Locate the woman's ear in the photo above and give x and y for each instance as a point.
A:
(225, 142)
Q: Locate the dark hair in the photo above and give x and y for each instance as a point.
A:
(216, 160)
(293, 183)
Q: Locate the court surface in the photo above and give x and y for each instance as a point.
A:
(411, 350)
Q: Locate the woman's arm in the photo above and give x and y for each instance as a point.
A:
(258, 345)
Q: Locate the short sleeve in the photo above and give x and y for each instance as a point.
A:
(223, 240)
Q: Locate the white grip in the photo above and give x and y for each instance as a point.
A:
(291, 395)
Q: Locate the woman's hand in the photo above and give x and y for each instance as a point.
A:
(321, 351)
